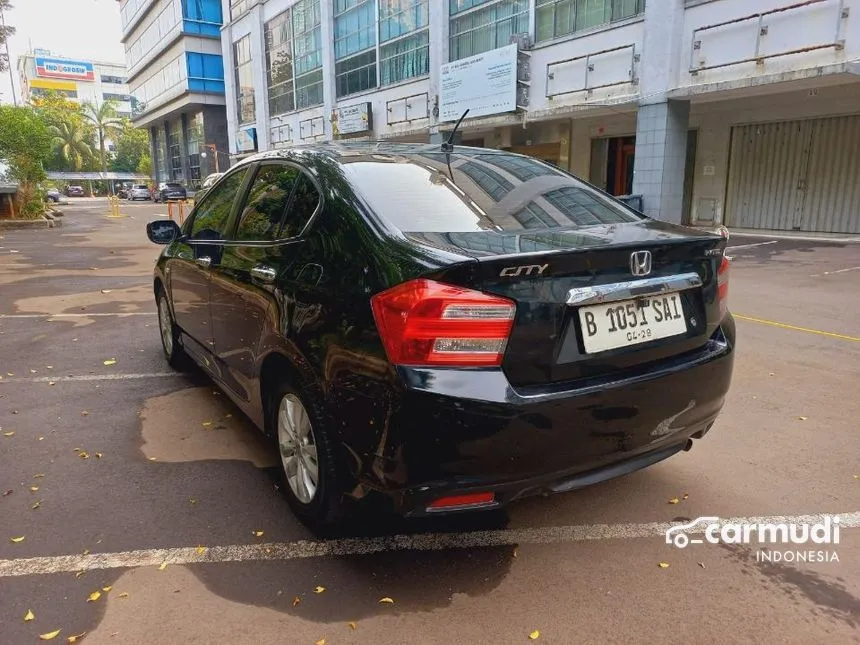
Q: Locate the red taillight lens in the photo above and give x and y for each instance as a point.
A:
(462, 501)
(723, 285)
(423, 322)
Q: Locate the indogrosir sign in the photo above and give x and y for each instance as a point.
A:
(72, 70)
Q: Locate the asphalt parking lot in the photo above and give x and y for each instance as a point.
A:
(149, 510)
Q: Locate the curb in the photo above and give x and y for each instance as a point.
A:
(24, 224)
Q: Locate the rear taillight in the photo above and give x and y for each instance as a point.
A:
(723, 285)
(423, 322)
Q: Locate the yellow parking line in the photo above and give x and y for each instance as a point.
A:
(773, 323)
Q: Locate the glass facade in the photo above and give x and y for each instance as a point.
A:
(556, 18)
(404, 40)
(161, 154)
(478, 26)
(174, 152)
(244, 74)
(294, 58)
(195, 147)
(355, 45)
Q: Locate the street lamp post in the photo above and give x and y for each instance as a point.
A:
(8, 58)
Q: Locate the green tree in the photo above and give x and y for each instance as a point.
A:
(5, 32)
(25, 144)
(132, 145)
(56, 110)
(71, 140)
(144, 167)
(107, 125)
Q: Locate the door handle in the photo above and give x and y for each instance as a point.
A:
(204, 261)
(263, 273)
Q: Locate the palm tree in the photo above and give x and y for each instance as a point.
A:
(71, 140)
(106, 122)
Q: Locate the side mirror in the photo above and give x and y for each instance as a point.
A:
(163, 231)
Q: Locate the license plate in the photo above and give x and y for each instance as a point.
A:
(630, 322)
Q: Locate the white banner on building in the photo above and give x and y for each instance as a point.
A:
(352, 119)
(483, 84)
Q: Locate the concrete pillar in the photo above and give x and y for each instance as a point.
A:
(438, 18)
(229, 82)
(186, 165)
(328, 67)
(661, 125)
(258, 58)
(661, 152)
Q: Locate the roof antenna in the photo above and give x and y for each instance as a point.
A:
(448, 146)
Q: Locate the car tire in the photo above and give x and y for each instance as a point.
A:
(169, 332)
(299, 428)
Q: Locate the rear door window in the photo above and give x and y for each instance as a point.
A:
(267, 203)
(438, 193)
(213, 214)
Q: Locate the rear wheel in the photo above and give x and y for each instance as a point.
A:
(310, 480)
(176, 356)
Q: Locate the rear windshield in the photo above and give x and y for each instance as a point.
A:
(480, 192)
(170, 185)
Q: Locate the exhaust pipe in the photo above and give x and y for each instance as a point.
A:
(688, 445)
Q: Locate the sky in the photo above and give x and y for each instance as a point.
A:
(77, 29)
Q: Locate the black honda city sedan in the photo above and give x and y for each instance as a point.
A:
(453, 328)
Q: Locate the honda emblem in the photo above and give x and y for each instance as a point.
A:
(640, 263)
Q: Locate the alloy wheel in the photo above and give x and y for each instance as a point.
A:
(165, 323)
(298, 449)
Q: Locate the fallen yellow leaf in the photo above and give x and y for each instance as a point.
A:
(387, 600)
(111, 361)
(11, 433)
(206, 424)
(191, 500)
(534, 635)
(352, 625)
(296, 601)
(516, 552)
(32, 371)
(162, 566)
(78, 574)
(152, 458)
(84, 413)
(41, 438)
(52, 383)
(99, 455)
(663, 565)
(674, 500)
(685, 496)
(74, 639)
(33, 489)
(86, 552)
(28, 616)
(201, 550)
(106, 290)
(108, 588)
(702, 564)
(257, 533)
(124, 594)
(320, 642)
(50, 635)
(94, 596)
(36, 505)
(319, 589)
(17, 539)
(802, 418)
(38, 475)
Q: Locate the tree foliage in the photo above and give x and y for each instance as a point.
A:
(25, 144)
(144, 167)
(106, 122)
(5, 32)
(71, 140)
(64, 116)
(132, 144)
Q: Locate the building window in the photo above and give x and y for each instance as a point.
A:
(533, 216)
(40, 92)
(194, 147)
(582, 208)
(175, 151)
(202, 17)
(238, 7)
(490, 181)
(205, 72)
(307, 53)
(520, 167)
(478, 26)
(555, 18)
(404, 50)
(122, 98)
(354, 45)
(113, 80)
(245, 106)
(161, 153)
(279, 64)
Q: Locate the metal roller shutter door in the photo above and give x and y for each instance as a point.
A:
(796, 175)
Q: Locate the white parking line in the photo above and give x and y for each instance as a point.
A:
(818, 275)
(749, 246)
(90, 377)
(119, 314)
(304, 549)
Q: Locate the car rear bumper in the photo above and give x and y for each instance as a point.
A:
(455, 432)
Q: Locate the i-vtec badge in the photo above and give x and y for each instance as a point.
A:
(526, 269)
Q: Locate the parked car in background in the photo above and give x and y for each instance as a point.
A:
(139, 191)
(169, 191)
(402, 329)
(75, 191)
(53, 195)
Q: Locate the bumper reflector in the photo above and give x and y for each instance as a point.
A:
(462, 501)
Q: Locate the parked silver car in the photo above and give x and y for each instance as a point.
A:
(139, 191)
